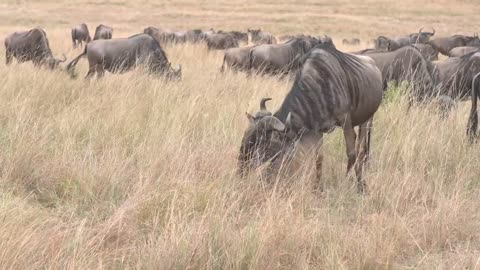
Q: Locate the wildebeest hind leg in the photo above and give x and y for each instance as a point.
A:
(91, 73)
(318, 162)
(362, 147)
(350, 137)
(8, 57)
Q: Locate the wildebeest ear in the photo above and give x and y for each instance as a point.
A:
(250, 117)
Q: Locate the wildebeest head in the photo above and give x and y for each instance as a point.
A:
(472, 41)
(53, 63)
(382, 44)
(422, 37)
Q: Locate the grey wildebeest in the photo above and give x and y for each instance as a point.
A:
(239, 36)
(427, 51)
(446, 44)
(32, 46)
(221, 42)
(237, 59)
(391, 44)
(406, 63)
(80, 34)
(279, 58)
(332, 89)
(122, 54)
(259, 37)
(461, 51)
(163, 36)
(103, 32)
(472, 125)
(351, 41)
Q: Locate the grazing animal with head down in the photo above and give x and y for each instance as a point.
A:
(122, 54)
(103, 32)
(279, 58)
(259, 37)
(383, 43)
(236, 58)
(332, 89)
(32, 46)
(80, 34)
(163, 36)
(446, 44)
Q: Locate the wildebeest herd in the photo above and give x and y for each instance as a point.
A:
(330, 88)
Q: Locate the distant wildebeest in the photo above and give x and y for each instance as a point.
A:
(179, 37)
(405, 64)
(239, 36)
(194, 36)
(332, 89)
(237, 59)
(259, 37)
(103, 32)
(279, 58)
(122, 54)
(80, 34)
(427, 50)
(32, 46)
(461, 51)
(163, 36)
(351, 41)
(446, 44)
(285, 38)
(221, 42)
(392, 44)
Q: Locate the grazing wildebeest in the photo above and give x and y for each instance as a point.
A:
(239, 36)
(103, 32)
(332, 89)
(279, 58)
(454, 75)
(122, 54)
(406, 63)
(163, 36)
(351, 41)
(32, 46)
(179, 37)
(446, 44)
(236, 58)
(259, 37)
(427, 50)
(391, 44)
(461, 51)
(194, 36)
(221, 42)
(80, 34)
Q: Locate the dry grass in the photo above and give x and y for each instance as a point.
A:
(134, 172)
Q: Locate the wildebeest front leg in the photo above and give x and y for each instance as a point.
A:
(350, 136)
(8, 57)
(318, 164)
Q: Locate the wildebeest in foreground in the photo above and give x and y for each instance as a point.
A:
(461, 51)
(122, 54)
(427, 51)
(259, 37)
(30, 46)
(80, 34)
(446, 44)
(472, 125)
(351, 41)
(332, 89)
(103, 32)
(391, 44)
(221, 42)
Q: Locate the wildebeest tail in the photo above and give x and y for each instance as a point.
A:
(71, 66)
(73, 36)
(473, 119)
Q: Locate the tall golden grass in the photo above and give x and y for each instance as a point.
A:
(132, 171)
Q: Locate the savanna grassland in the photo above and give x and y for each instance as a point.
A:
(132, 171)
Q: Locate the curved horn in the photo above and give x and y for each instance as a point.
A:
(263, 102)
(433, 31)
(288, 122)
(420, 31)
